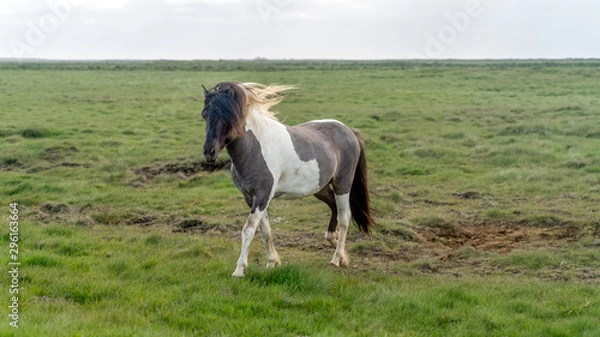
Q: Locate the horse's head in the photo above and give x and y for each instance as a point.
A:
(224, 115)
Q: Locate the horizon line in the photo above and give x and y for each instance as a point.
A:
(259, 59)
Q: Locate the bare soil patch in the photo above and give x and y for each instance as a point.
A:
(199, 225)
(186, 167)
(58, 152)
(496, 238)
(11, 163)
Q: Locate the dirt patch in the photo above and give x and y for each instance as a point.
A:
(190, 223)
(88, 215)
(468, 195)
(11, 163)
(14, 164)
(58, 152)
(143, 220)
(186, 168)
(55, 209)
(198, 225)
(492, 238)
(69, 164)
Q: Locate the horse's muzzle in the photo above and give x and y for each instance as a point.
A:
(210, 154)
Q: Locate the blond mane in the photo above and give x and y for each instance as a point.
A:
(262, 97)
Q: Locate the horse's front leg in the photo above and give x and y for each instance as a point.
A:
(247, 235)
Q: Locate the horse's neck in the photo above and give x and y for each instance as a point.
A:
(243, 150)
(262, 132)
(264, 127)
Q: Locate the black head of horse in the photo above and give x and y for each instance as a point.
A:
(223, 112)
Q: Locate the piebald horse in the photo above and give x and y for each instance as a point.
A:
(324, 158)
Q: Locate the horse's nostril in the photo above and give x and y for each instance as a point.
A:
(210, 153)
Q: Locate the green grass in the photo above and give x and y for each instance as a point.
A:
(484, 176)
(127, 280)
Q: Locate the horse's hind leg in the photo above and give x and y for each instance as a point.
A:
(343, 206)
(265, 233)
(327, 196)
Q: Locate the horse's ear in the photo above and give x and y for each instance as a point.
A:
(231, 92)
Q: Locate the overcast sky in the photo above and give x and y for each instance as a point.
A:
(299, 29)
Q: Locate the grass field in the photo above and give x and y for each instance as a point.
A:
(485, 177)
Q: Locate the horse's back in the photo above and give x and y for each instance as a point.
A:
(324, 136)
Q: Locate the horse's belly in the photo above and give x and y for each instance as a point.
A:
(290, 196)
(299, 182)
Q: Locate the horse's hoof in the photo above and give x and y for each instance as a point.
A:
(340, 262)
(331, 237)
(273, 264)
(239, 272)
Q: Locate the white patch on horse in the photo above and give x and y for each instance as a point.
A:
(326, 121)
(293, 178)
(344, 214)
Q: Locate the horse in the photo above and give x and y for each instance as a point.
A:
(269, 160)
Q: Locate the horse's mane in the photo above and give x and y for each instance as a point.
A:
(231, 102)
(262, 97)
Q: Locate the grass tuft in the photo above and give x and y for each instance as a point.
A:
(532, 260)
(41, 261)
(59, 231)
(84, 293)
(414, 171)
(546, 220)
(153, 240)
(292, 276)
(36, 133)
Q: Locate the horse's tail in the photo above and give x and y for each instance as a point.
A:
(359, 193)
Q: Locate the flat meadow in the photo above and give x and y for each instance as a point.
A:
(484, 176)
